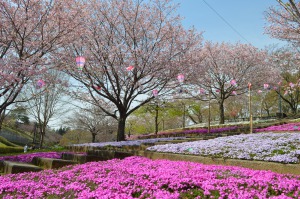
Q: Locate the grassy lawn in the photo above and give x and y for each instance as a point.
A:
(2, 145)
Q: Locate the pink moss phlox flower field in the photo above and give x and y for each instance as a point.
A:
(283, 127)
(29, 156)
(139, 177)
(198, 131)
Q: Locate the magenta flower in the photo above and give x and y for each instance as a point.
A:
(139, 177)
(29, 156)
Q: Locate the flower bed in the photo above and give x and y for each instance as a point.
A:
(274, 147)
(129, 142)
(29, 156)
(283, 127)
(139, 177)
(240, 124)
(187, 132)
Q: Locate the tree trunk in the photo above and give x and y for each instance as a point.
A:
(43, 132)
(94, 137)
(156, 119)
(294, 109)
(183, 118)
(2, 117)
(42, 139)
(121, 128)
(221, 109)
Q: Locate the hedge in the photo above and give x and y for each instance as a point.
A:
(6, 142)
(8, 149)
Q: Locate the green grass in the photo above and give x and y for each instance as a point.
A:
(17, 132)
(7, 151)
(7, 143)
(10, 150)
(2, 145)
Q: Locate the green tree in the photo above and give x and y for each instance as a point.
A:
(62, 130)
(76, 136)
(20, 113)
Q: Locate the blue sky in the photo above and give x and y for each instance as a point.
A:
(246, 16)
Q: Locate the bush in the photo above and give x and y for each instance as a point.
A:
(4, 150)
(6, 142)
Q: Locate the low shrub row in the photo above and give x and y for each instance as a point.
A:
(6, 142)
(8, 149)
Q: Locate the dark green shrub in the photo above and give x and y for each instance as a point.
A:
(6, 142)
(4, 150)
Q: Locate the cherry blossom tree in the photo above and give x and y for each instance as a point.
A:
(131, 48)
(286, 60)
(284, 21)
(30, 30)
(225, 70)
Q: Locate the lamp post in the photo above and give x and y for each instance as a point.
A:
(250, 111)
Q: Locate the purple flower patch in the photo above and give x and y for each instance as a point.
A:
(29, 156)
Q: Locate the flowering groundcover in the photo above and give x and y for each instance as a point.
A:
(129, 142)
(197, 131)
(275, 147)
(139, 177)
(29, 156)
(283, 127)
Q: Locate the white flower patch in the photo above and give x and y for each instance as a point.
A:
(129, 142)
(275, 147)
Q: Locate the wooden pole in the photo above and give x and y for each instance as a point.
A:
(208, 130)
(250, 109)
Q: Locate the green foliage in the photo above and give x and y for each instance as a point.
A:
(193, 193)
(278, 151)
(16, 131)
(8, 149)
(2, 145)
(170, 115)
(20, 113)
(7, 143)
(57, 148)
(136, 194)
(62, 130)
(20, 150)
(75, 137)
